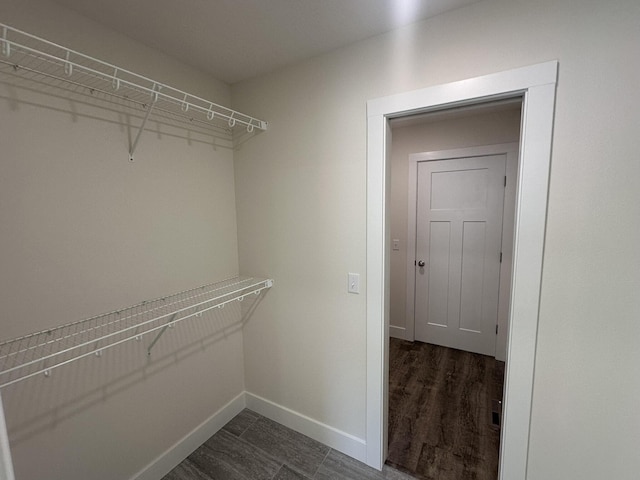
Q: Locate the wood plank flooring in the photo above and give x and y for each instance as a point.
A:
(252, 447)
(440, 412)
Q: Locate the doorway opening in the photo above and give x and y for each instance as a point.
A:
(452, 201)
(536, 85)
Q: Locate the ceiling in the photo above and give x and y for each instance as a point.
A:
(238, 39)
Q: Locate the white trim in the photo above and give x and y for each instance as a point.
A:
(344, 442)
(464, 92)
(332, 437)
(398, 332)
(6, 466)
(511, 165)
(506, 268)
(190, 442)
(377, 328)
(536, 84)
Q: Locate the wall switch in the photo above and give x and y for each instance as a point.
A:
(354, 283)
(396, 244)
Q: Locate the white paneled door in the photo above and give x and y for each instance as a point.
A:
(458, 241)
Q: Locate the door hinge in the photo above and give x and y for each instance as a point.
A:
(496, 329)
(500, 257)
(505, 180)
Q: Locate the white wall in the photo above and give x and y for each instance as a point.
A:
(300, 190)
(474, 128)
(301, 218)
(84, 231)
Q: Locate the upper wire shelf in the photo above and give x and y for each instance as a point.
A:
(30, 54)
(44, 351)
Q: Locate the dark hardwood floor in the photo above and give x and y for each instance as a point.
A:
(440, 412)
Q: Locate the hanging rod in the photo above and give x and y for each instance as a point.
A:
(22, 50)
(42, 352)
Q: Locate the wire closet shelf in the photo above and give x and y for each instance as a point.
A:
(35, 56)
(40, 353)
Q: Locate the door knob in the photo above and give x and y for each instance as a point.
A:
(421, 263)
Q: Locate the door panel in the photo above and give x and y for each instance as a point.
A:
(458, 236)
(473, 247)
(469, 190)
(440, 239)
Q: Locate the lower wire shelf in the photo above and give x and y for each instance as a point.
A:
(41, 352)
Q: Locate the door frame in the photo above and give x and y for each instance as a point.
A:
(536, 84)
(511, 151)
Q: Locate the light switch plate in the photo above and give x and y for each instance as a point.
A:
(354, 283)
(396, 244)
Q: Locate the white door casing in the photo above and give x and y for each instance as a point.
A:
(536, 85)
(458, 218)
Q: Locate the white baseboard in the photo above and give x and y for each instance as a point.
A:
(397, 332)
(344, 442)
(190, 442)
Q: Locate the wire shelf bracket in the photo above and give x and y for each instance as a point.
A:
(154, 99)
(21, 51)
(42, 352)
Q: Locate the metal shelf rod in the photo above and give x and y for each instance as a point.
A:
(124, 330)
(120, 320)
(252, 286)
(178, 97)
(92, 90)
(116, 312)
(119, 342)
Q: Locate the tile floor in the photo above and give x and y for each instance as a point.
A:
(252, 447)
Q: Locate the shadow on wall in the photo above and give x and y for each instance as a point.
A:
(40, 403)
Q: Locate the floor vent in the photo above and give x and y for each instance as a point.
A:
(496, 413)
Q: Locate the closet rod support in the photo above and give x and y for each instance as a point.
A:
(154, 99)
(162, 330)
